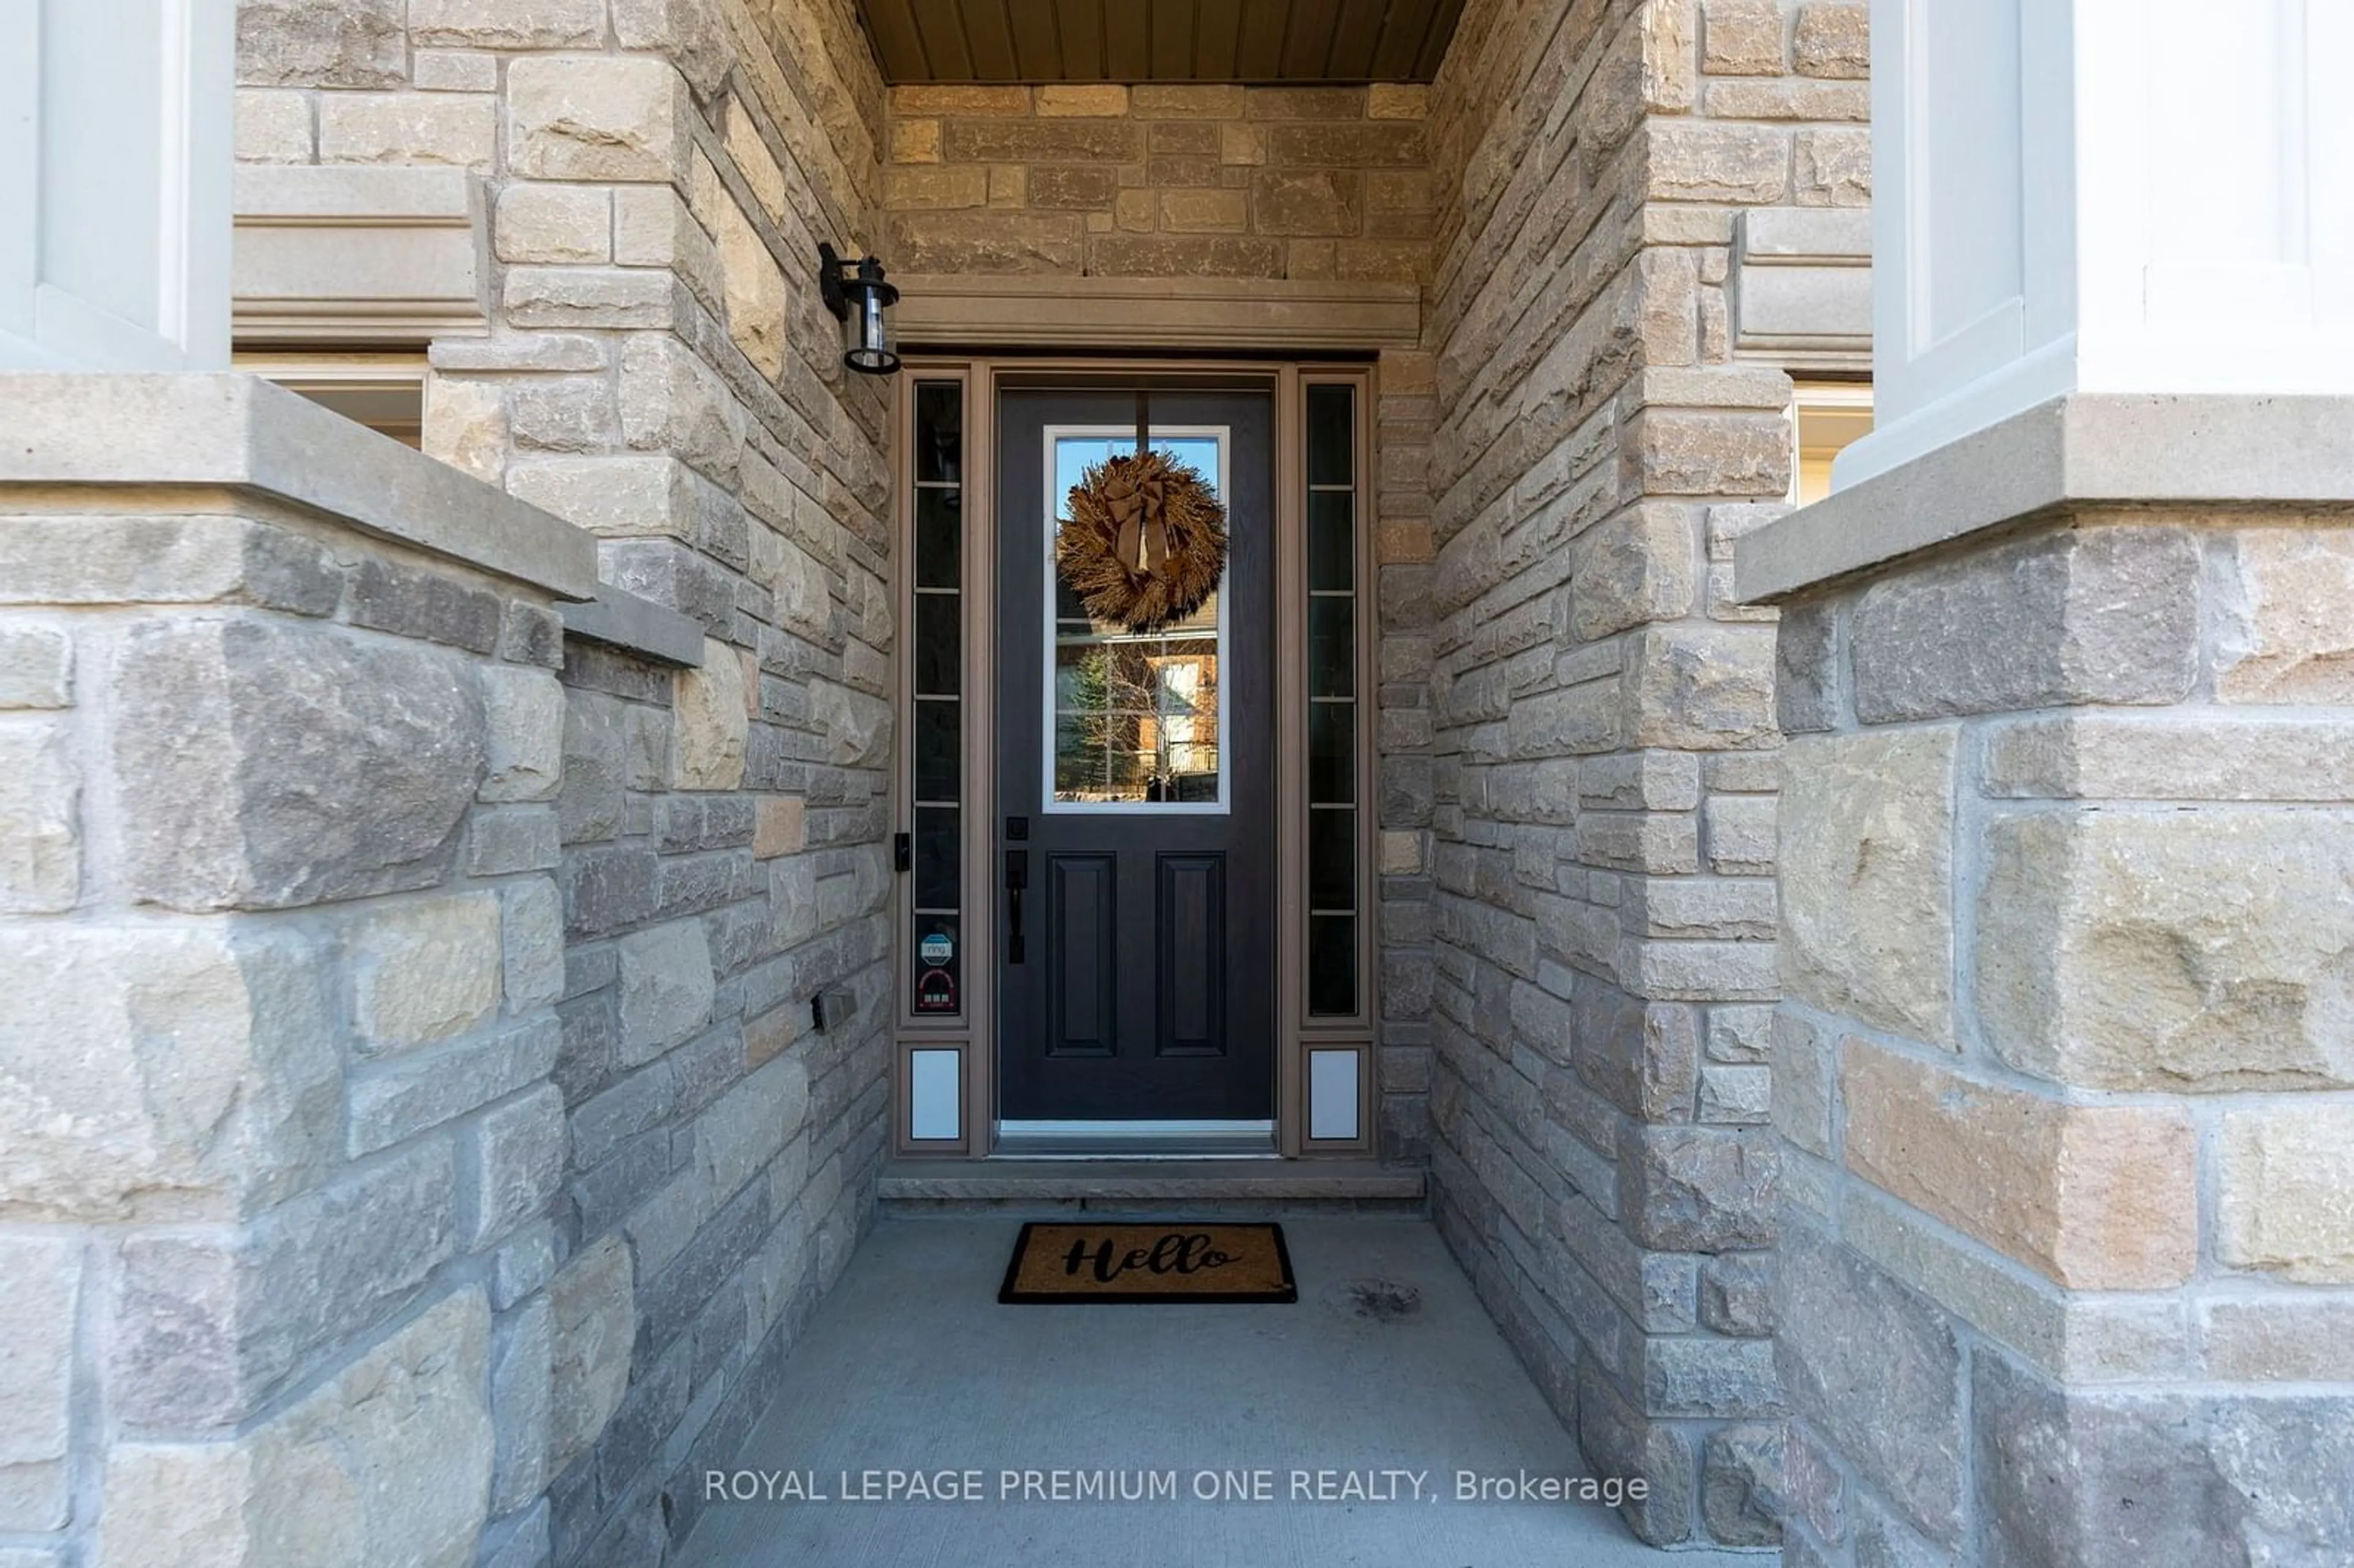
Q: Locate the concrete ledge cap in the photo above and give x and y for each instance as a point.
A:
(2089, 450)
(244, 433)
(620, 619)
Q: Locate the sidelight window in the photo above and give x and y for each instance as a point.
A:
(938, 661)
(1335, 898)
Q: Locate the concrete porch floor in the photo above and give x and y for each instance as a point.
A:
(912, 1364)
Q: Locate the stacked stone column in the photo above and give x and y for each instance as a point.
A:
(2062, 1071)
(282, 946)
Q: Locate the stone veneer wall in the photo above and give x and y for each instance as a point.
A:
(1160, 180)
(276, 1129)
(1218, 180)
(2063, 1072)
(1603, 822)
(656, 175)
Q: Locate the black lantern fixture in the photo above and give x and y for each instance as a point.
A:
(857, 295)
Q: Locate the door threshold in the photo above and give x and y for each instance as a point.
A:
(1348, 1184)
(1134, 1140)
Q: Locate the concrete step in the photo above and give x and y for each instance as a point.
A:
(1148, 1189)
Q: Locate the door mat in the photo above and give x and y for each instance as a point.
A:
(1143, 1263)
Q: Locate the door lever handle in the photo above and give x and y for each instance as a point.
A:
(1017, 879)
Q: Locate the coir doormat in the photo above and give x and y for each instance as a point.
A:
(1137, 1263)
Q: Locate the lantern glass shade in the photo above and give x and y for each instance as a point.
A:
(869, 348)
(855, 293)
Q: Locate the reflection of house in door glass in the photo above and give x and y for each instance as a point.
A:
(1136, 716)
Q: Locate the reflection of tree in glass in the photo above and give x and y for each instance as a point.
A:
(1136, 717)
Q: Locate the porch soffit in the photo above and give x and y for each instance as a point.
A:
(1160, 40)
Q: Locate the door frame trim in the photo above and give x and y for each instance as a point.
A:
(972, 1033)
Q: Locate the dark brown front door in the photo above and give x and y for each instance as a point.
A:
(1136, 852)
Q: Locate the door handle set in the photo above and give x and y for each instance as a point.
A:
(1017, 881)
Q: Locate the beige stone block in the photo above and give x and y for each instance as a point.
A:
(2094, 1197)
(2172, 951)
(1043, 141)
(1136, 210)
(424, 969)
(2180, 755)
(2277, 1337)
(1380, 260)
(672, 402)
(1242, 145)
(1834, 168)
(1801, 1096)
(1318, 102)
(594, 1320)
(36, 667)
(1185, 256)
(453, 70)
(524, 710)
(2079, 1336)
(1008, 185)
(780, 826)
(38, 1312)
(1078, 185)
(1703, 688)
(554, 224)
(915, 141)
(40, 820)
(1312, 203)
(510, 25)
(1629, 569)
(408, 128)
(169, 1073)
(1741, 37)
(1184, 138)
(668, 989)
(652, 227)
(2285, 1180)
(1009, 242)
(605, 117)
(1313, 260)
(758, 304)
(709, 728)
(387, 1465)
(1697, 161)
(589, 297)
(924, 187)
(1204, 211)
(1340, 145)
(1834, 39)
(2289, 630)
(1867, 846)
(466, 425)
(1788, 99)
(1397, 101)
(1668, 70)
(750, 153)
(273, 127)
(1067, 101)
(1168, 100)
(962, 102)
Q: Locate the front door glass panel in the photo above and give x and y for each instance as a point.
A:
(1135, 715)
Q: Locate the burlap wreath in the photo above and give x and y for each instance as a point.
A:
(1146, 542)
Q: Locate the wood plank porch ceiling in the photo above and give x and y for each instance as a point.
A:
(1160, 40)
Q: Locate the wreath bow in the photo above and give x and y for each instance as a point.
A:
(1139, 505)
(1146, 543)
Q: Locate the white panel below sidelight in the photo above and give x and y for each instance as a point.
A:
(1333, 1095)
(935, 1093)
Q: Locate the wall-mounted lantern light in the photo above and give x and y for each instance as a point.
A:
(857, 295)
